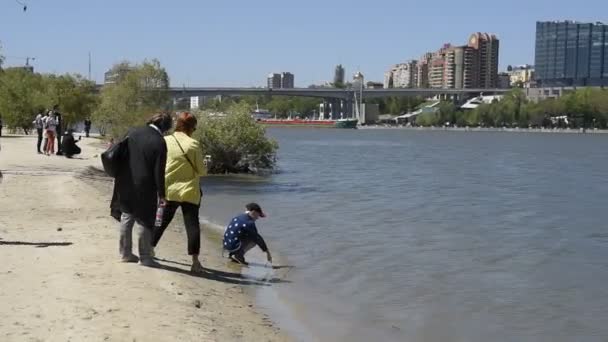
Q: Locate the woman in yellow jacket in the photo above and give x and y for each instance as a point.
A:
(184, 168)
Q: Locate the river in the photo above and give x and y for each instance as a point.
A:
(401, 235)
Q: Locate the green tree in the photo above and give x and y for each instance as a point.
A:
(472, 118)
(304, 106)
(280, 106)
(398, 105)
(339, 85)
(447, 113)
(428, 119)
(21, 96)
(236, 143)
(219, 105)
(74, 95)
(138, 91)
(1, 57)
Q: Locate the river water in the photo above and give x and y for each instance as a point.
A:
(433, 236)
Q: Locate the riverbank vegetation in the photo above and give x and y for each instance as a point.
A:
(24, 94)
(234, 141)
(280, 106)
(583, 108)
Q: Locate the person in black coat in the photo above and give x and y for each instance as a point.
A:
(87, 126)
(69, 146)
(139, 187)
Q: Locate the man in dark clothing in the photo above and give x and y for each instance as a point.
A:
(69, 147)
(58, 117)
(0, 127)
(241, 235)
(139, 187)
(87, 126)
(39, 124)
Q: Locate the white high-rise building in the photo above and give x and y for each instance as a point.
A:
(403, 75)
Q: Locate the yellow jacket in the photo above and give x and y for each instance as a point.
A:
(182, 181)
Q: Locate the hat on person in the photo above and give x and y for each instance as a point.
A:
(255, 207)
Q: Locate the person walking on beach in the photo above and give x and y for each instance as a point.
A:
(39, 125)
(139, 187)
(51, 131)
(185, 167)
(241, 235)
(87, 126)
(1, 125)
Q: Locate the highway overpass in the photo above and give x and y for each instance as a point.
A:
(347, 94)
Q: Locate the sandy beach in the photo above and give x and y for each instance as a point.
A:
(60, 279)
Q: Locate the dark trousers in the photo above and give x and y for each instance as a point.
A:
(59, 148)
(0, 131)
(87, 130)
(193, 228)
(246, 246)
(39, 131)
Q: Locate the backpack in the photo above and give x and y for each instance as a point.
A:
(114, 157)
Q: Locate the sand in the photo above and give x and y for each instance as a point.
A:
(60, 279)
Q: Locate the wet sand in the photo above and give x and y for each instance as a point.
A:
(59, 271)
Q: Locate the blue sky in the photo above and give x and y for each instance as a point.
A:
(238, 42)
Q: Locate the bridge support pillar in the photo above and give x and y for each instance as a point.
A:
(334, 108)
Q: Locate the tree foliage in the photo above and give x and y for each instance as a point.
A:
(138, 91)
(23, 94)
(281, 106)
(74, 95)
(397, 105)
(295, 106)
(235, 142)
(1, 56)
(584, 108)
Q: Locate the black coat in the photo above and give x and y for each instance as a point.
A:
(141, 180)
(68, 145)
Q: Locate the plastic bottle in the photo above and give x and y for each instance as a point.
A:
(160, 211)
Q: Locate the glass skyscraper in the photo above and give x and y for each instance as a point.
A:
(571, 54)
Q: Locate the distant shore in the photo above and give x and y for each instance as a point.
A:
(491, 129)
(61, 279)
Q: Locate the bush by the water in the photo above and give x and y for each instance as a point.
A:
(235, 142)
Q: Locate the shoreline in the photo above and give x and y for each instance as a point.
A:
(269, 299)
(496, 130)
(61, 276)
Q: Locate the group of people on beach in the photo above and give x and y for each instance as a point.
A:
(48, 126)
(155, 174)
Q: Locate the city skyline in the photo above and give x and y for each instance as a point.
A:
(220, 44)
(474, 65)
